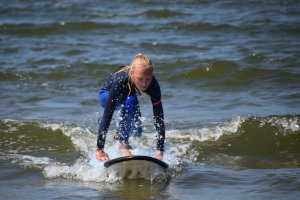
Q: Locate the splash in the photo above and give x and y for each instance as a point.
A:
(63, 151)
(34, 150)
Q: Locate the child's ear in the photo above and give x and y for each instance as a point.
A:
(131, 72)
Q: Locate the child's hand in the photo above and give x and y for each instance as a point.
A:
(101, 156)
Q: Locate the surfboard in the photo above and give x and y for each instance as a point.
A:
(134, 161)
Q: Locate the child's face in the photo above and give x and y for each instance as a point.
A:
(142, 77)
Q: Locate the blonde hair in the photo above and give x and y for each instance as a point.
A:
(139, 61)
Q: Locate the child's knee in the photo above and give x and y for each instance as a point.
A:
(131, 104)
(131, 101)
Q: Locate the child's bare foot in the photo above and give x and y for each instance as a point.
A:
(124, 150)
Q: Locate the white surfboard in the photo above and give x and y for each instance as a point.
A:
(134, 162)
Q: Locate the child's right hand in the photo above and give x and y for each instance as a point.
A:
(101, 156)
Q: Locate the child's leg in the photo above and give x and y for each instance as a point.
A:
(130, 123)
(136, 124)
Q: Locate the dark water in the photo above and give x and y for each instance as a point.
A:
(230, 77)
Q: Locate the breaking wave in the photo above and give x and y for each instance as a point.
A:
(67, 151)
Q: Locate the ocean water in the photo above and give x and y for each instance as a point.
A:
(230, 78)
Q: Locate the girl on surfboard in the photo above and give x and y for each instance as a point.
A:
(120, 92)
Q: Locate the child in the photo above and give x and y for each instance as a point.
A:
(121, 90)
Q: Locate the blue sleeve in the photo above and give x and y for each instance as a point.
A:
(158, 113)
(118, 87)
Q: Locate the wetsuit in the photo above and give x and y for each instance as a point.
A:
(115, 92)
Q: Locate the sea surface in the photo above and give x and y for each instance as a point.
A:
(229, 72)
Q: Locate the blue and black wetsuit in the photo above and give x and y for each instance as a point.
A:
(115, 92)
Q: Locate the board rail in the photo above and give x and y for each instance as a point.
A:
(129, 158)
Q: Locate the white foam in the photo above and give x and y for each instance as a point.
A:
(81, 170)
(89, 169)
(180, 141)
(94, 171)
(207, 133)
(178, 148)
(290, 124)
(30, 161)
(178, 144)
